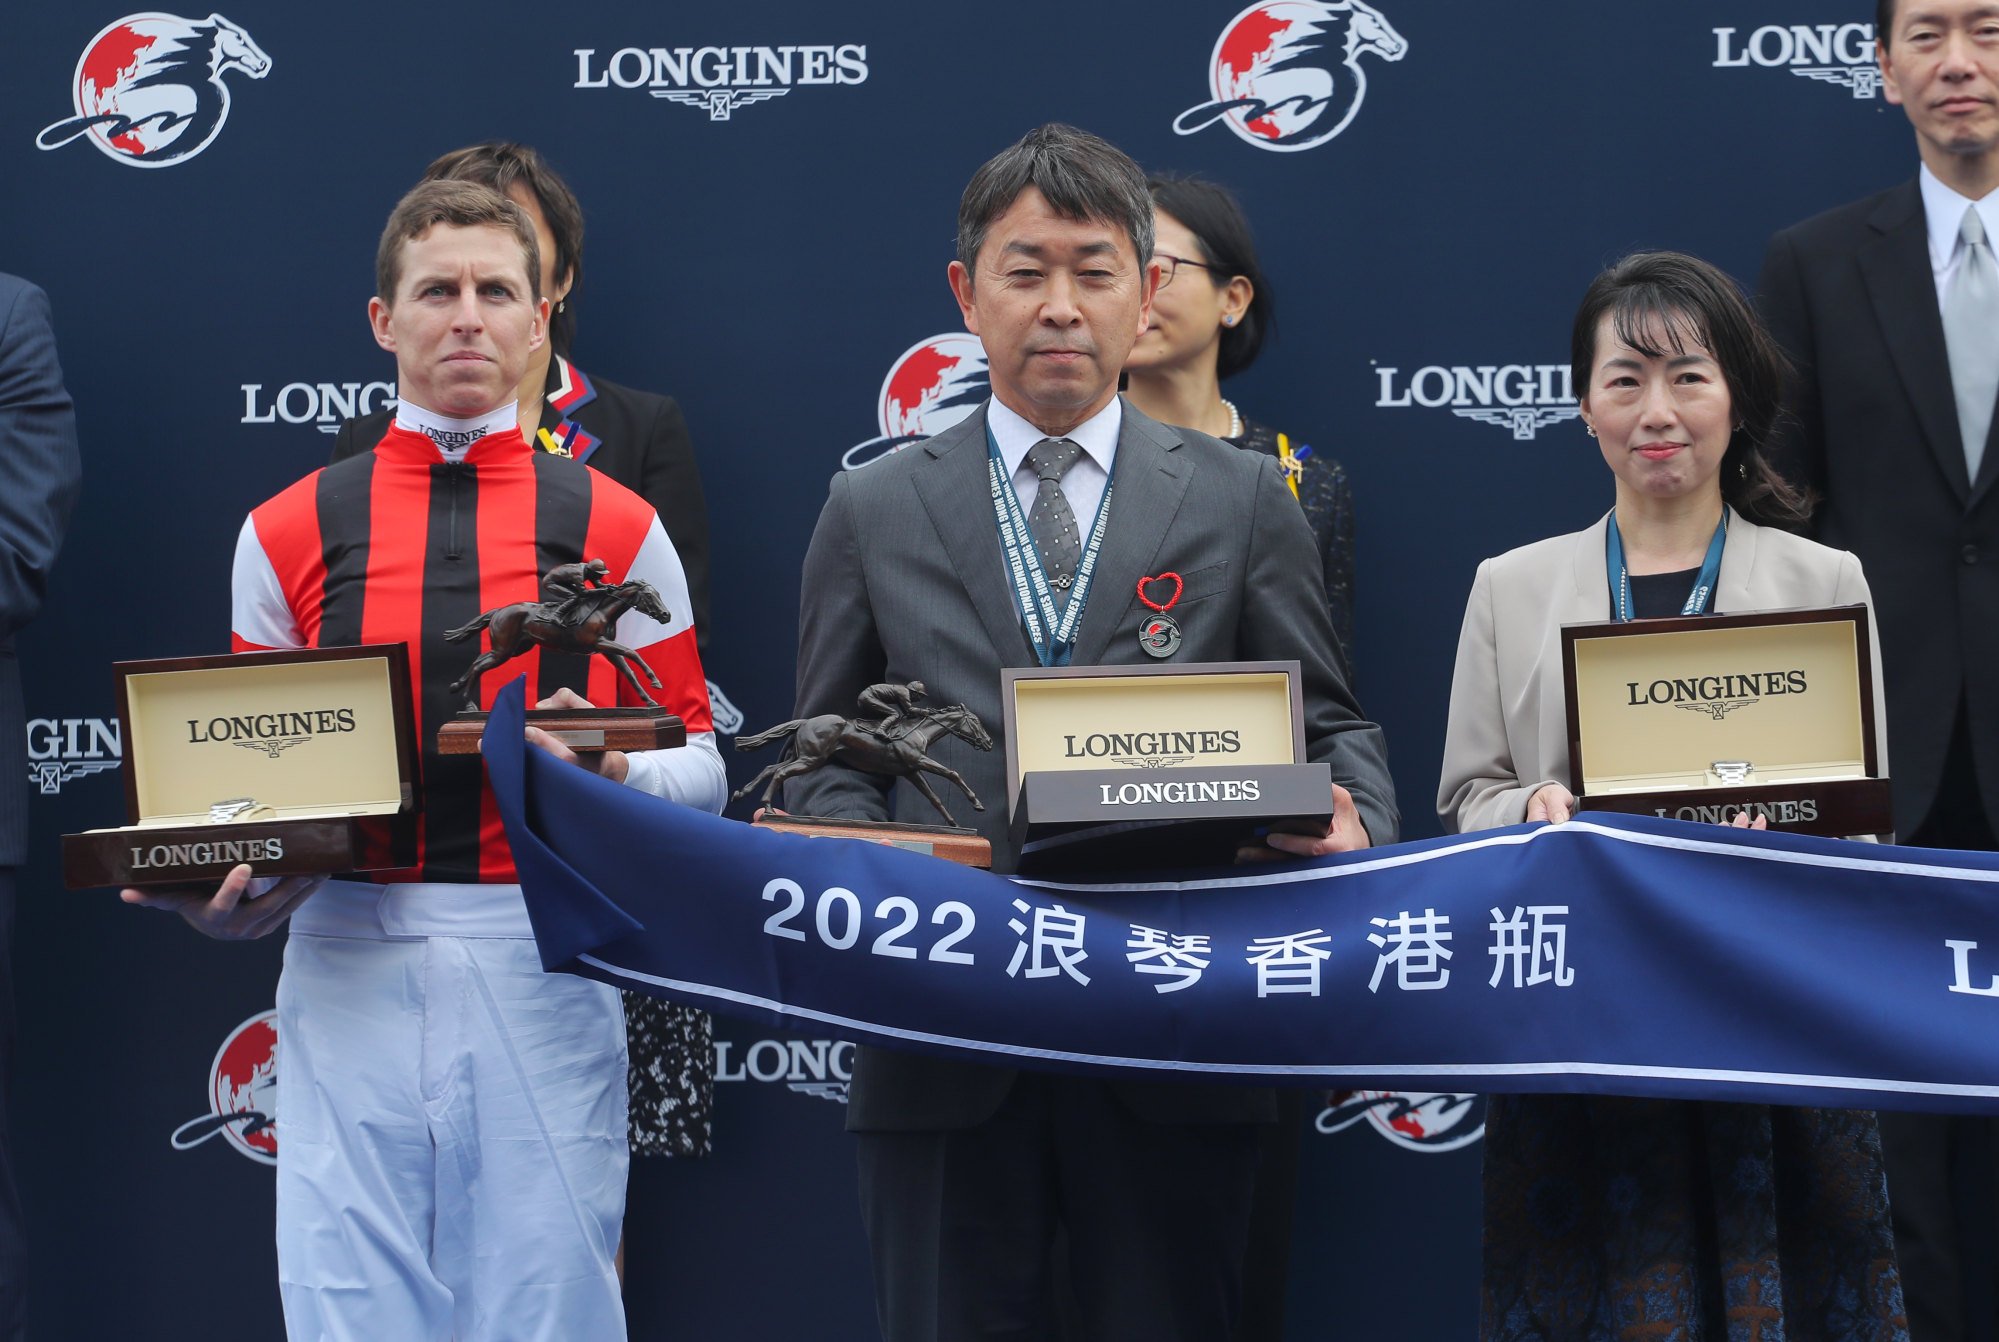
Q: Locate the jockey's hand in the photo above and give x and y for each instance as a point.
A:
(233, 911)
(610, 764)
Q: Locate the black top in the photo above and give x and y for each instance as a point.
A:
(634, 437)
(1327, 498)
(1655, 596)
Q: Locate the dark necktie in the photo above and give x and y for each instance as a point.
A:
(1053, 522)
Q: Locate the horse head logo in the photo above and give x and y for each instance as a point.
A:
(149, 88)
(1286, 74)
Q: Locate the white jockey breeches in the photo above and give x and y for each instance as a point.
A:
(451, 1126)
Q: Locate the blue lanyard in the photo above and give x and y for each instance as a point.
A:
(1620, 578)
(1054, 637)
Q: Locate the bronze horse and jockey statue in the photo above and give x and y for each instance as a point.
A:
(578, 612)
(894, 744)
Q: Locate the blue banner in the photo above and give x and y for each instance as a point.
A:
(1612, 955)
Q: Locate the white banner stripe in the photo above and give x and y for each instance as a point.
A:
(1445, 1071)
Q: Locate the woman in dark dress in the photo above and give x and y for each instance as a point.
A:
(1210, 318)
(640, 440)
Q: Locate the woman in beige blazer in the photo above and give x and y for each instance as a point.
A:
(1608, 1218)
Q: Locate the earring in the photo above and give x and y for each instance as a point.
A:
(561, 303)
(1589, 428)
(1229, 320)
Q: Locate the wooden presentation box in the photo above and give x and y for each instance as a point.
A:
(1135, 767)
(1701, 717)
(308, 745)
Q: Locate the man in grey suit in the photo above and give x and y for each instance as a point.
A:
(1889, 306)
(39, 471)
(968, 1172)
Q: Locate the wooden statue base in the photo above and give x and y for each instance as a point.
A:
(584, 730)
(963, 846)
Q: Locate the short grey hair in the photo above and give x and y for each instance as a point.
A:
(1080, 175)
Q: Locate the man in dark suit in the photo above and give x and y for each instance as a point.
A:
(968, 1172)
(1890, 309)
(39, 474)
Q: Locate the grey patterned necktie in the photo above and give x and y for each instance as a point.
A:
(1053, 522)
(1971, 334)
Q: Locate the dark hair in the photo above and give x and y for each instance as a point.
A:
(503, 164)
(1213, 215)
(1078, 174)
(462, 205)
(1680, 300)
(1884, 20)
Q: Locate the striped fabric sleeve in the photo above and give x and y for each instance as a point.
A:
(260, 618)
(692, 774)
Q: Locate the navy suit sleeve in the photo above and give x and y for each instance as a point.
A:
(40, 469)
(840, 653)
(1798, 447)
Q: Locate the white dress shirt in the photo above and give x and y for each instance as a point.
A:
(1943, 210)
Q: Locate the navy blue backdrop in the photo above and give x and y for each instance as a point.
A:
(769, 222)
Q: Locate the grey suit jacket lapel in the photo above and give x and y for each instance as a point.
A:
(956, 492)
(1896, 267)
(1149, 481)
(1588, 598)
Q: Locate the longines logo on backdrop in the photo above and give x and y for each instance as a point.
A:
(62, 749)
(1836, 53)
(1286, 75)
(718, 80)
(931, 386)
(1523, 398)
(322, 404)
(817, 1067)
(148, 90)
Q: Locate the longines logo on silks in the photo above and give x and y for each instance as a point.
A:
(242, 1093)
(61, 749)
(718, 80)
(149, 88)
(1836, 53)
(820, 1068)
(1523, 398)
(324, 405)
(1286, 74)
(1415, 1121)
(931, 386)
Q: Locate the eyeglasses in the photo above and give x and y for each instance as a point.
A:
(1169, 265)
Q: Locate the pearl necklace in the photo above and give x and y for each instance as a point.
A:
(1235, 419)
